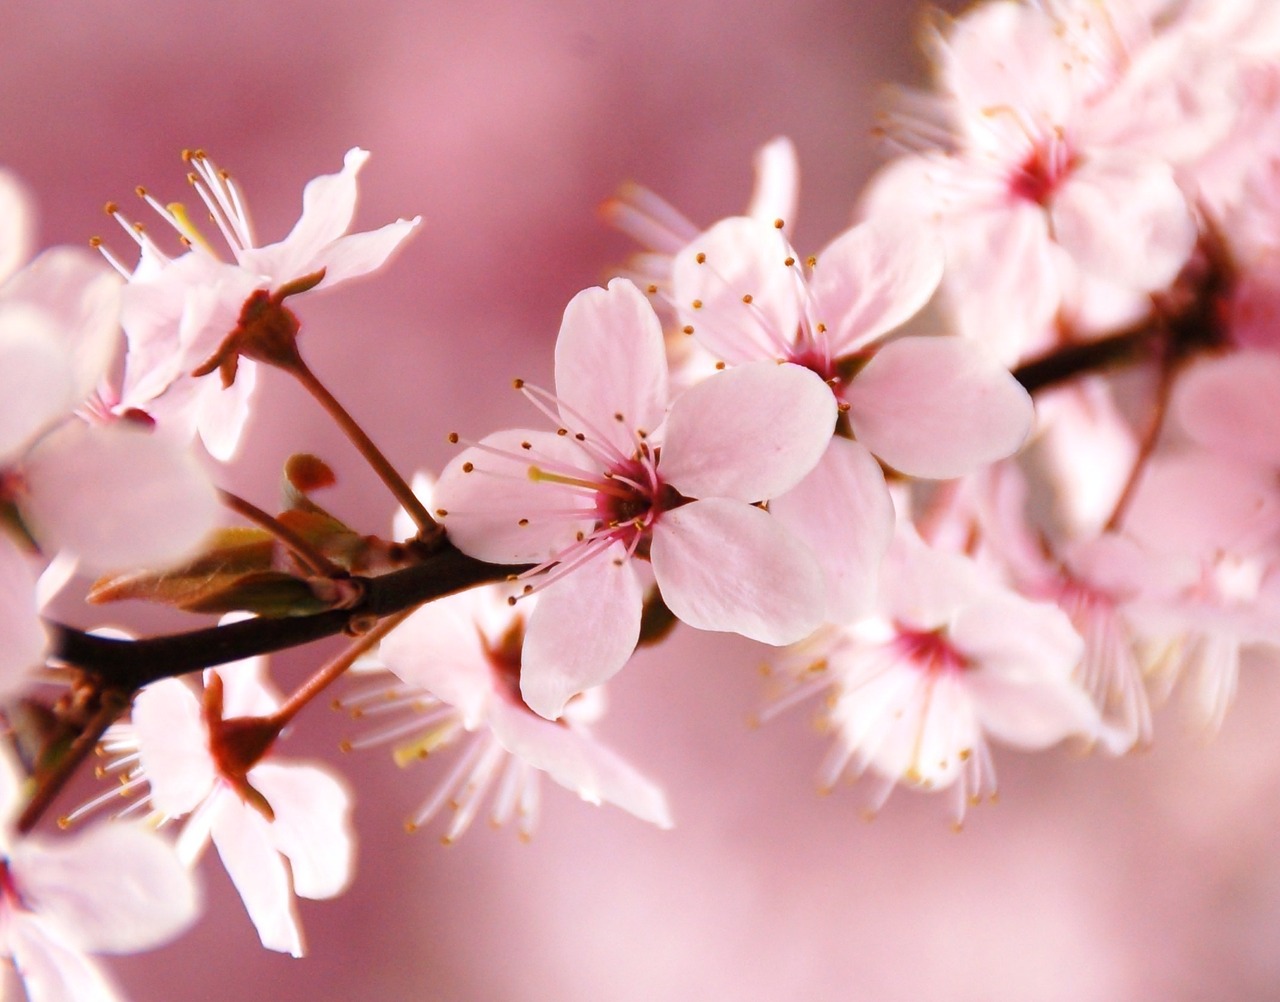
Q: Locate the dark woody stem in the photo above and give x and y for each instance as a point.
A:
(128, 665)
(1071, 361)
(428, 528)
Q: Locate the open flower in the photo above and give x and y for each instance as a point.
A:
(280, 827)
(178, 310)
(626, 484)
(458, 667)
(113, 888)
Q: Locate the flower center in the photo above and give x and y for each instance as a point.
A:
(928, 650)
(1039, 175)
(631, 506)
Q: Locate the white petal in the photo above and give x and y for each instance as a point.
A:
(727, 566)
(51, 969)
(1231, 404)
(17, 224)
(842, 511)
(328, 206)
(739, 257)
(22, 635)
(438, 649)
(359, 254)
(749, 433)
(37, 384)
(611, 366)
(938, 407)
(777, 188)
(312, 825)
(173, 741)
(112, 888)
(872, 279)
(1125, 218)
(484, 508)
(259, 873)
(582, 632)
(578, 762)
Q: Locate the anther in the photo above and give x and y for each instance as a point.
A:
(778, 224)
(517, 384)
(697, 304)
(747, 299)
(789, 262)
(523, 522)
(441, 512)
(526, 445)
(687, 328)
(140, 191)
(719, 366)
(453, 438)
(700, 258)
(811, 261)
(652, 290)
(468, 467)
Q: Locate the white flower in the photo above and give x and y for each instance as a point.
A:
(177, 311)
(626, 483)
(114, 888)
(280, 827)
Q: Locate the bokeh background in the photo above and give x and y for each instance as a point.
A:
(505, 125)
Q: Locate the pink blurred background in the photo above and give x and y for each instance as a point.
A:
(505, 125)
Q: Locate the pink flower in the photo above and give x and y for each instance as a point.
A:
(950, 658)
(1048, 163)
(460, 662)
(626, 486)
(114, 888)
(177, 310)
(280, 827)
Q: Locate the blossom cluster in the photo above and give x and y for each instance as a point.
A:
(997, 464)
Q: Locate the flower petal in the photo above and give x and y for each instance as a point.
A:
(358, 254)
(312, 825)
(872, 279)
(843, 512)
(113, 888)
(173, 741)
(579, 763)
(611, 366)
(259, 873)
(728, 566)
(582, 631)
(749, 433)
(117, 496)
(938, 407)
(494, 511)
(736, 258)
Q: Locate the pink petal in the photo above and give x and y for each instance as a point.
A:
(1231, 404)
(727, 566)
(17, 224)
(312, 825)
(579, 763)
(113, 888)
(582, 631)
(22, 635)
(174, 744)
(739, 257)
(117, 496)
(359, 254)
(328, 206)
(749, 433)
(50, 968)
(843, 513)
(777, 188)
(938, 407)
(611, 366)
(1124, 218)
(259, 873)
(439, 649)
(872, 279)
(37, 386)
(484, 508)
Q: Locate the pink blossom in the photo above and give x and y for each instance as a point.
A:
(177, 310)
(951, 658)
(459, 662)
(281, 828)
(627, 485)
(113, 888)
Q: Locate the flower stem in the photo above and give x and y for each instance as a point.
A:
(428, 528)
(334, 670)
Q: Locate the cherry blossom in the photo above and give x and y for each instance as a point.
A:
(928, 406)
(951, 657)
(177, 310)
(1047, 159)
(281, 828)
(113, 888)
(627, 484)
(458, 660)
